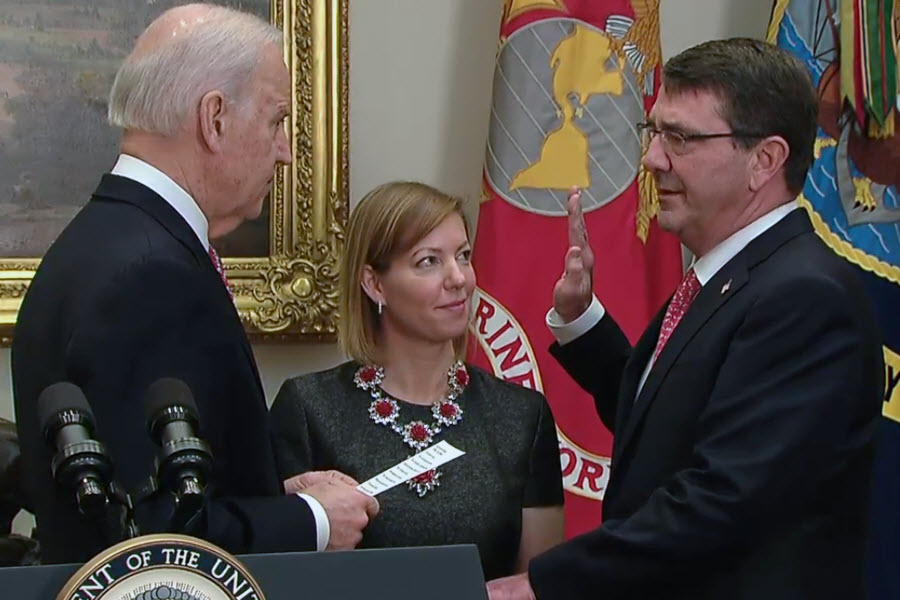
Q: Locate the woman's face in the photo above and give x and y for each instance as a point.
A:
(427, 291)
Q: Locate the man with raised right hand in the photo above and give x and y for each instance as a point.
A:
(744, 417)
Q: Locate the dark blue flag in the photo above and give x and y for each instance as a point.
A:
(852, 196)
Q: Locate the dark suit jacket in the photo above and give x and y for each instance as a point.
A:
(127, 295)
(742, 468)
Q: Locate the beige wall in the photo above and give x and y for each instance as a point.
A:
(420, 79)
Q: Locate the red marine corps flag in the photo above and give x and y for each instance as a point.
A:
(573, 77)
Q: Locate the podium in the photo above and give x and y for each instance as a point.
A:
(433, 572)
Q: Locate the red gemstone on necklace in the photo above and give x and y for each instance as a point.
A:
(367, 374)
(418, 432)
(424, 478)
(384, 408)
(462, 377)
(448, 410)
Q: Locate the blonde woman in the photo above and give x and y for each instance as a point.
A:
(406, 292)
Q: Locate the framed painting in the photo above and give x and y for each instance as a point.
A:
(57, 62)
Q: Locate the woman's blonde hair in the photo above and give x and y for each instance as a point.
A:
(387, 222)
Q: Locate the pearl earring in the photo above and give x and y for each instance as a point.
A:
(379, 308)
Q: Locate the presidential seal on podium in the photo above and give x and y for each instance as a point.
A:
(162, 567)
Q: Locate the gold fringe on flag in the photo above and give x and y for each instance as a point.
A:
(648, 203)
(644, 34)
(882, 132)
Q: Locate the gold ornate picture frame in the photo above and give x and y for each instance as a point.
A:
(291, 293)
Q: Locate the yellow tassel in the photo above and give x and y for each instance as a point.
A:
(882, 132)
(648, 204)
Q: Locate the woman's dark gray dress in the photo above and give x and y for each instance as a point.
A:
(320, 421)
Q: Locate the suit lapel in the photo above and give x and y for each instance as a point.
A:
(704, 306)
(717, 292)
(635, 366)
(122, 189)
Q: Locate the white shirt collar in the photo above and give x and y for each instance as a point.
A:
(144, 173)
(709, 264)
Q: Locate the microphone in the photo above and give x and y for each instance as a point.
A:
(185, 461)
(80, 462)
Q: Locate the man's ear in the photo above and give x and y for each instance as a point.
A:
(371, 284)
(212, 120)
(769, 157)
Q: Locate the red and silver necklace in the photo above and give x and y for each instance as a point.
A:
(418, 435)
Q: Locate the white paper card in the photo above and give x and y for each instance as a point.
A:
(430, 458)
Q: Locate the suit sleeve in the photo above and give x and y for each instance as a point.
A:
(544, 485)
(595, 361)
(158, 319)
(781, 414)
(290, 435)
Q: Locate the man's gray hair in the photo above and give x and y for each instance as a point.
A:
(155, 90)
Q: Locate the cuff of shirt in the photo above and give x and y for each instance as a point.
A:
(323, 527)
(566, 332)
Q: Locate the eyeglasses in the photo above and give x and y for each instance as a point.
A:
(676, 142)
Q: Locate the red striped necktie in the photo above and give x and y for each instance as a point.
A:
(220, 268)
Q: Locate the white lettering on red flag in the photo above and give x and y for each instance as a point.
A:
(511, 357)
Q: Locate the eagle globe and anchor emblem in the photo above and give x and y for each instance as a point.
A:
(162, 567)
(567, 98)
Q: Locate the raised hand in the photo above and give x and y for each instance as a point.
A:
(573, 291)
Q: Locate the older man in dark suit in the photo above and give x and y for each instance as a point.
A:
(132, 291)
(744, 416)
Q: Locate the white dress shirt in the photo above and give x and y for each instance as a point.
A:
(146, 174)
(705, 267)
